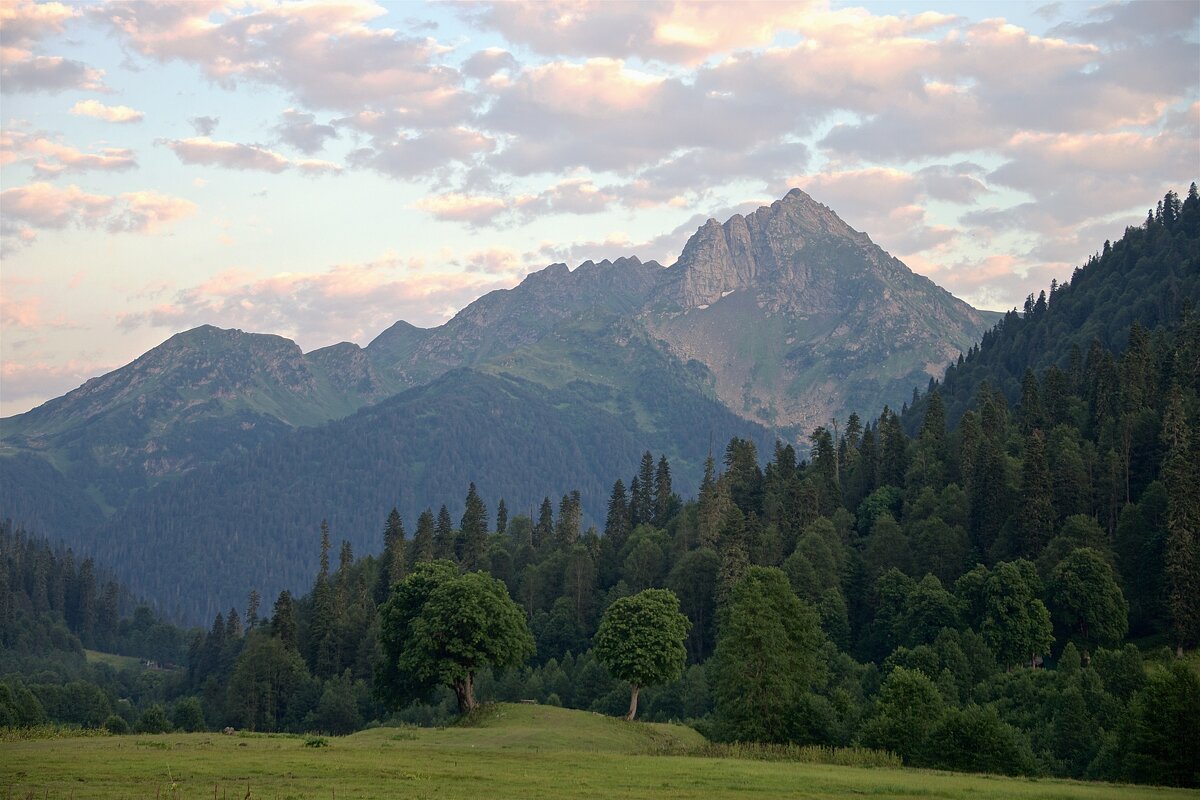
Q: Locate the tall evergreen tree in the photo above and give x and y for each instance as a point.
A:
(1180, 474)
(501, 518)
(570, 520)
(543, 532)
(616, 523)
(393, 565)
(472, 531)
(443, 535)
(1037, 509)
(423, 547)
(643, 496)
(664, 495)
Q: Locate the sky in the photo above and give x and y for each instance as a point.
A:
(320, 170)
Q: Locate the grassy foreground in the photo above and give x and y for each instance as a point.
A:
(512, 751)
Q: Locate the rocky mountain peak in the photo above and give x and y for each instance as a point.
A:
(754, 251)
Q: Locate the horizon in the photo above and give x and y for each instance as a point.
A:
(322, 172)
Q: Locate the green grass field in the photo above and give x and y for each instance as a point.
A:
(113, 660)
(513, 751)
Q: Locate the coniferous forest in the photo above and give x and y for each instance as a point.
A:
(1001, 576)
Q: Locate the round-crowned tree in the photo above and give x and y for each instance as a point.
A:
(640, 640)
(440, 627)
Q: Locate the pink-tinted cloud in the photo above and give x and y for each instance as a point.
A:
(232, 155)
(456, 207)
(302, 131)
(96, 109)
(325, 54)
(44, 206)
(23, 25)
(49, 157)
(347, 301)
(24, 383)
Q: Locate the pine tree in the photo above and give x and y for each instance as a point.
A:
(501, 518)
(393, 566)
(472, 531)
(252, 603)
(570, 520)
(423, 547)
(1037, 509)
(643, 493)
(1179, 473)
(543, 532)
(664, 496)
(616, 523)
(443, 535)
(324, 549)
(283, 620)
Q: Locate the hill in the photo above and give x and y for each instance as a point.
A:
(515, 751)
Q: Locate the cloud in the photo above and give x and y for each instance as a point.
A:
(21, 71)
(231, 155)
(673, 32)
(43, 206)
(302, 132)
(25, 383)
(455, 207)
(94, 108)
(325, 55)
(204, 126)
(570, 196)
(486, 63)
(346, 301)
(404, 156)
(49, 157)
(23, 25)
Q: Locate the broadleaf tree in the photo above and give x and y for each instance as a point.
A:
(640, 640)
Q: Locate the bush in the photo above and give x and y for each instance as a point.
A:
(188, 715)
(154, 720)
(116, 725)
(975, 739)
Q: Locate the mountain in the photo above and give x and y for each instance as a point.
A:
(801, 318)
(765, 327)
(251, 522)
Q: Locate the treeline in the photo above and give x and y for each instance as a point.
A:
(1016, 593)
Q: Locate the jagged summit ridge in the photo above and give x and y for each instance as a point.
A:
(757, 250)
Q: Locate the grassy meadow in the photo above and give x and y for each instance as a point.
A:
(509, 751)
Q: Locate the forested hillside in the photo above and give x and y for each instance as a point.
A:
(1014, 594)
(196, 544)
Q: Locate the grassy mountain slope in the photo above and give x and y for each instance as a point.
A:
(200, 543)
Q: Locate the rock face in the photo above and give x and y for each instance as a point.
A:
(801, 318)
(762, 250)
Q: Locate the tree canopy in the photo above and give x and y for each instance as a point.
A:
(640, 640)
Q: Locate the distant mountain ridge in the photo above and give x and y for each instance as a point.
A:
(766, 326)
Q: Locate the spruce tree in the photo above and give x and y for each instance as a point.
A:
(472, 531)
(393, 565)
(1037, 510)
(501, 518)
(664, 496)
(543, 532)
(443, 535)
(423, 547)
(643, 495)
(1180, 475)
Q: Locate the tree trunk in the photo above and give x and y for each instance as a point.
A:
(632, 703)
(464, 692)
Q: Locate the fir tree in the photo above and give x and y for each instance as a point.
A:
(423, 546)
(501, 518)
(443, 535)
(472, 531)
(664, 496)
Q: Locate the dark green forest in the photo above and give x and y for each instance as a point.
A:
(1002, 576)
